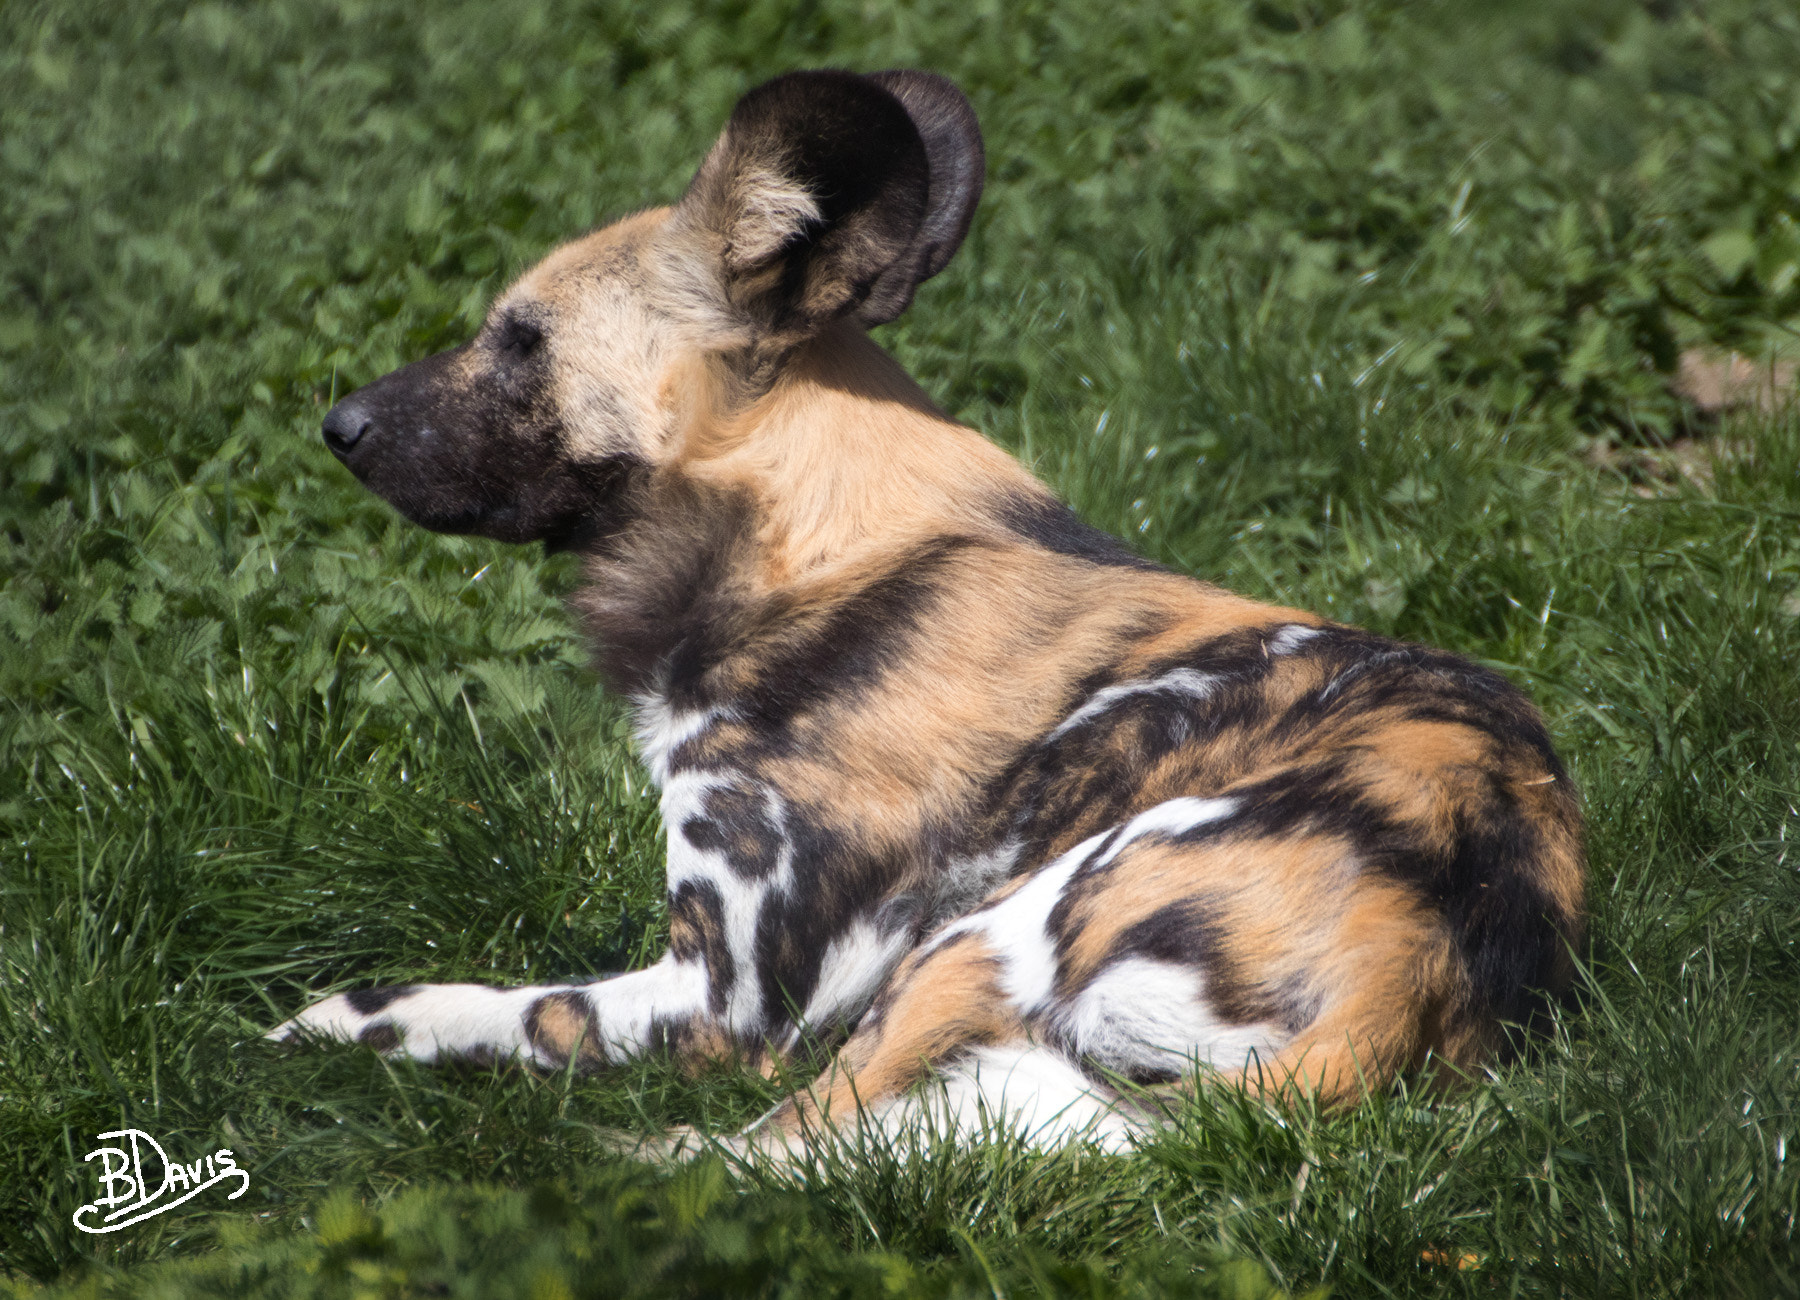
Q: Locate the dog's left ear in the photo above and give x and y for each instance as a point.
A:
(958, 167)
(832, 194)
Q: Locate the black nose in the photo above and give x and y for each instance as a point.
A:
(345, 425)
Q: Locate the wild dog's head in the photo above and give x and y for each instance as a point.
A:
(829, 198)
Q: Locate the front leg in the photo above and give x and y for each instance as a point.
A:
(597, 1024)
(727, 862)
(751, 941)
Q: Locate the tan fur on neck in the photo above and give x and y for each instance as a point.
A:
(846, 457)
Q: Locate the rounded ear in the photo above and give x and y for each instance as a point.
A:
(958, 167)
(818, 186)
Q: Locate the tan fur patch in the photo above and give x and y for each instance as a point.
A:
(558, 1024)
(1279, 904)
(936, 1005)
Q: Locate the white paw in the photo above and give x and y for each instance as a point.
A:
(364, 1016)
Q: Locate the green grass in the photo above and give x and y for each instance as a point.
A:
(1330, 302)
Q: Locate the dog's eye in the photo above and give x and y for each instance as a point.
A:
(519, 338)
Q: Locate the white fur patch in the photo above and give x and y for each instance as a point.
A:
(433, 1021)
(661, 729)
(1017, 927)
(1292, 637)
(1140, 1015)
(626, 1006)
(1171, 817)
(853, 968)
(741, 900)
(1180, 681)
(966, 881)
(1031, 1092)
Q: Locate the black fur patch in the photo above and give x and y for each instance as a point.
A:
(664, 607)
(850, 646)
(735, 823)
(369, 1002)
(1185, 933)
(1047, 522)
(383, 1037)
(836, 882)
(1500, 919)
(661, 600)
(697, 933)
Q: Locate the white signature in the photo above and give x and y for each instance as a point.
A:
(134, 1196)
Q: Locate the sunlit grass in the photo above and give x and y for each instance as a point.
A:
(1329, 303)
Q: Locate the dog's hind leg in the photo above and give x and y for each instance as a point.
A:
(941, 1001)
(946, 1020)
(1178, 939)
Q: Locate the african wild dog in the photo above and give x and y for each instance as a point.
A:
(941, 766)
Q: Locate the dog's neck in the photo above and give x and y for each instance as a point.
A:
(847, 458)
(803, 495)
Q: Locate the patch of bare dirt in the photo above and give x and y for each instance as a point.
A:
(1660, 471)
(1717, 381)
